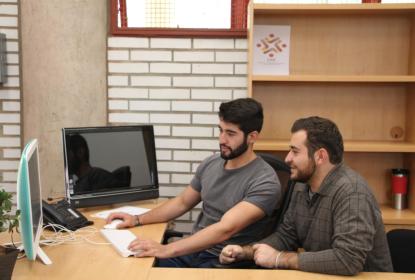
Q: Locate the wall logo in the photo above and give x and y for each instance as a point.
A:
(271, 49)
(271, 45)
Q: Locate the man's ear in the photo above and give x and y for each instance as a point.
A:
(252, 137)
(321, 156)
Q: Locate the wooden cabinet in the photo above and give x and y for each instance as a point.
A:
(354, 64)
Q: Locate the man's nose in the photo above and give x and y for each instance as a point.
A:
(222, 138)
(288, 158)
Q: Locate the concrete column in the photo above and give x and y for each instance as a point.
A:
(63, 59)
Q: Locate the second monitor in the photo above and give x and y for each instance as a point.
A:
(106, 165)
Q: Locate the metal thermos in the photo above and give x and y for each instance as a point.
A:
(400, 187)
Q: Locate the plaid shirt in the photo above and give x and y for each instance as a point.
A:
(340, 227)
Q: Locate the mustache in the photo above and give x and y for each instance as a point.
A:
(224, 146)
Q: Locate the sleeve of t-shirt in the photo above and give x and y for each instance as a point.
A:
(265, 191)
(196, 182)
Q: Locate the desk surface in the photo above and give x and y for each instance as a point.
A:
(250, 274)
(91, 261)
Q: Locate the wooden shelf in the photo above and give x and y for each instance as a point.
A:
(337, 78)
(266, 9)
(349, 146)
(392, 216)
(344, 66)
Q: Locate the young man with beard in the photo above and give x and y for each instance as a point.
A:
(239, 191)
(333, 215)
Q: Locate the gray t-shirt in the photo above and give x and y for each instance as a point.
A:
(222, 189)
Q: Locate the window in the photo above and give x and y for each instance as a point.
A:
(190, 18)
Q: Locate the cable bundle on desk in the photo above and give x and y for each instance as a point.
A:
(62, 235)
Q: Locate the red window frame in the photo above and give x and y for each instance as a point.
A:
(238, 24)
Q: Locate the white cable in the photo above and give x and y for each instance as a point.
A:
(63, 235)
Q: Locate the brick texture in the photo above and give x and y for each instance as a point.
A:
(10, 98)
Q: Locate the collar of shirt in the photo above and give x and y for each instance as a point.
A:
(328, 180)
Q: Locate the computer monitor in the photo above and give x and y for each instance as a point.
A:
(106, 165)
(29, 201)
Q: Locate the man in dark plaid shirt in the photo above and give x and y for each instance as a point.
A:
(333, 214)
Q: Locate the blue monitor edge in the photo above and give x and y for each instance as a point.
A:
(124, 155)
(29, 201)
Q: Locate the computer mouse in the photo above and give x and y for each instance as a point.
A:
(113, 224)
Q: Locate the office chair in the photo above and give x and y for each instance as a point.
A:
(402, 248)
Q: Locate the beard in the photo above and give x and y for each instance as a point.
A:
(235, 152)
(303, 176)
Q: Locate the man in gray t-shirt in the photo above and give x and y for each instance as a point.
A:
(238, 191)
(221, 189)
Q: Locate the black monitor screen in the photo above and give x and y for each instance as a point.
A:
(109, 159)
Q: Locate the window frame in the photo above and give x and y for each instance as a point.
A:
(238, 24)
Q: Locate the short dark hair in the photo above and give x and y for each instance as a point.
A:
(321, 133)
(246, 113)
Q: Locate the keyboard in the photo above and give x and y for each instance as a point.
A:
(120, 239)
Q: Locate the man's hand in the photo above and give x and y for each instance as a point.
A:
(265, 255)
(231, 253)
(128, 220)
(149, 248)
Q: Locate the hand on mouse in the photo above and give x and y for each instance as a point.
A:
(128, 220)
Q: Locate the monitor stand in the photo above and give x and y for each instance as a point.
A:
(40, 254)
(43, 257)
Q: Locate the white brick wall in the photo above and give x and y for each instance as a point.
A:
(143, 55)
(191, 155)
(150, 81)
(192, 131)
(170, 43)
(170, 68)
(193, 81)
(130, 93)
(117, 80)
(118, 105)
(194, 106)
(169, 118)
(10, 139)
(169, 93)
(212, 119)
(11, 129)
(213, 94)
(11, 153)
(172, 143)
(144, 105)
(122, 67)
(187, 80)
(194, 56)
(118, 55)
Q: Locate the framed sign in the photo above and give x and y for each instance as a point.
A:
(271, 49)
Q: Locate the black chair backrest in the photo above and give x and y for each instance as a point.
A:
(283, 171)
(402, 248)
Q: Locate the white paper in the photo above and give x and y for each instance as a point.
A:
(271, 49)
(126, 209)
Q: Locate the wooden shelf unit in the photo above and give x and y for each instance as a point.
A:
(354, 64)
